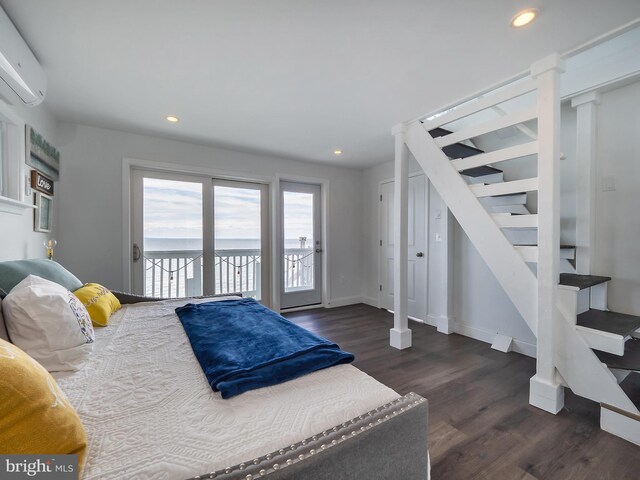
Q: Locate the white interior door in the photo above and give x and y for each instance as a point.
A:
(417, 254)
(301, 245)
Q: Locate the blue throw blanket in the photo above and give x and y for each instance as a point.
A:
(242, 345)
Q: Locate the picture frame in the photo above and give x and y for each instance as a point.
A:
(43, 213)
(41, 155)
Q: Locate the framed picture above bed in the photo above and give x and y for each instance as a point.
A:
(43, 212)
(41, 155)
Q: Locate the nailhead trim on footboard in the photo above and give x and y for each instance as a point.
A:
(316, 444)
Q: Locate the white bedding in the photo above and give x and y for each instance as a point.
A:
(149, 412)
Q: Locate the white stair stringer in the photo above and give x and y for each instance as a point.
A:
(505, 262)
(582, 370)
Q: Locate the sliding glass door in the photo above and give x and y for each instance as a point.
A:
(198, 236)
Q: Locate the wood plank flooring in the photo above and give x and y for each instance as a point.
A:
(481, 424)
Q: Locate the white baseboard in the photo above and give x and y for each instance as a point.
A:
(373, 302)
(344, 301)
(432, 320)
(487, 336)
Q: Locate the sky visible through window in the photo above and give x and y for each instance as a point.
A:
(173, 216)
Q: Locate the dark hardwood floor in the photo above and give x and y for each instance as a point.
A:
(481, 424)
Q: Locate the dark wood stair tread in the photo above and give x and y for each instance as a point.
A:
(581, 281)
(457, 150)
(482, 171)
(629, 361)
(612, 322)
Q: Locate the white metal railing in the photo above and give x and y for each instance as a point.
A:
(170, 274)
(178, 273)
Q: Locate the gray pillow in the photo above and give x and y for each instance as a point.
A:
(13, 272)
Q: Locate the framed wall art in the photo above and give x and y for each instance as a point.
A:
(43, 213)
(41, 155)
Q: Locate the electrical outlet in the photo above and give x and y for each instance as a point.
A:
(27, 185)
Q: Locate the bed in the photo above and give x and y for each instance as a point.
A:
(149, 413)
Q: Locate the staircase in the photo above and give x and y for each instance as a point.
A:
(581, 345)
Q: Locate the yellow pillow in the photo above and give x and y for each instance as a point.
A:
(99, 301)
(35, 414)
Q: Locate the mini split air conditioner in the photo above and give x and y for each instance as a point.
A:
(22, 79)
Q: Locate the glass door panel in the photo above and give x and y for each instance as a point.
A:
(298, 241)
(172, 237)
(238, 238)
(301, 241)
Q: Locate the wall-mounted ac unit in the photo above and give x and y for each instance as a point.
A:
(22, 79)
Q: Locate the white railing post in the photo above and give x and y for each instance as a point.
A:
(545, 390)
(586, 106)
(400, 335)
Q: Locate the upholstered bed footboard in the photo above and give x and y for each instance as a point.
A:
(129, 298)
(389, 442)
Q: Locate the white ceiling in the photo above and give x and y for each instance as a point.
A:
(292, 78)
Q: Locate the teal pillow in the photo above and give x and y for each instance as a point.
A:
(13, 272)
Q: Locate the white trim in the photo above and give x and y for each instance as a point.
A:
(487, 336)
(325, 185)
(299, 309)
(16, 167)
(129, 164)
(482, 103)
(508, 153)
(487, 127)
(16, 207)
(344, 301)
(372, 302)
(620, 425)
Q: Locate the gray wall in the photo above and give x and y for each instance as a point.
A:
(91, 230)
(17, 238)
(617, 218)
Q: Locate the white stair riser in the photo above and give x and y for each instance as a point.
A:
(493, 178)
(620, 425)
(516, 199)
(516, 209)
(521, 236)
(603, 341)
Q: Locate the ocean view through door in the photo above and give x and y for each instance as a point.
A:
(301, 253)
(240, 243)
(199, 236)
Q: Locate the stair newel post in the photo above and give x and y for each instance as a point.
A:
(545, 390)
(400, 334)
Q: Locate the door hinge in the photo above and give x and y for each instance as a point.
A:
(380, 287)
(380, 197)
(380, 242)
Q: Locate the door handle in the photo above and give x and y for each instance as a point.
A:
(136, 252)
(419, 254)
(318, 250)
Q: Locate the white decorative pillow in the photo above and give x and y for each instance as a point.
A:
(49, 323)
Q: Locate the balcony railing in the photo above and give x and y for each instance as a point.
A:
(178, 273)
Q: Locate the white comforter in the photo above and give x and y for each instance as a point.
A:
(149, 412)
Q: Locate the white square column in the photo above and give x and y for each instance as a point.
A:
(545, 391)
(400, 334)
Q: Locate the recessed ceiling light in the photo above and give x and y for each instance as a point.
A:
(524, 17)
(172, 118)
(337, 152)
